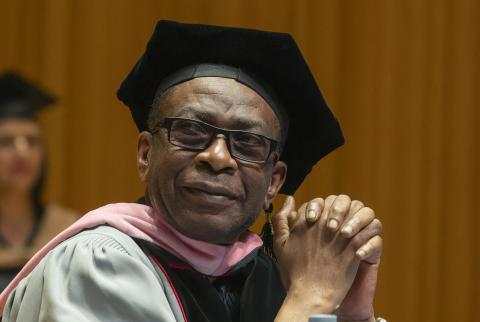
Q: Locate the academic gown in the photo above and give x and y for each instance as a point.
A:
(102, 274)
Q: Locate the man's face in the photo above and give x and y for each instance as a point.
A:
(208, 195)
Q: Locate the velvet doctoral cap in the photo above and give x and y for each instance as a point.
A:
(271, 58)
(20, 98)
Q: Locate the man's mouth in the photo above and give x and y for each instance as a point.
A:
(210, 191)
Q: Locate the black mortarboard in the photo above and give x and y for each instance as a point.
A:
(20, 98)
(270, 57)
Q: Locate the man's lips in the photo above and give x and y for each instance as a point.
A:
(210, 190)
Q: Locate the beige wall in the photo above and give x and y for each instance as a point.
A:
(402, 76)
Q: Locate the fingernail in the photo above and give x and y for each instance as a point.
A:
(311, 214)
(361, 253)
(347, 230)
(287, 201)
(333, 224)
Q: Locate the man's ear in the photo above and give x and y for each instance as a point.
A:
(279, 174)
(144, 151)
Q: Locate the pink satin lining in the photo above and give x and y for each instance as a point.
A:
(141, 221)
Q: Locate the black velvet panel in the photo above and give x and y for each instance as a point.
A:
(251, 292)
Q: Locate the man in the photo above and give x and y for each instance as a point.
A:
(222, 113)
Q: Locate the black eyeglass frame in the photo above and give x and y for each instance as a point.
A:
(167, 124)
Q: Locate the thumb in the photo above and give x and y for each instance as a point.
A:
(281, 230)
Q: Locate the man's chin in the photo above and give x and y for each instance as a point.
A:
(213, 229)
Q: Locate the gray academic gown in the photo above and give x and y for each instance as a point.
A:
(65, 284)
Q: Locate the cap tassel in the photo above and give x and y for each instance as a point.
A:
(267, 234)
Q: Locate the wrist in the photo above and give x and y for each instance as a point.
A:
(314, 301)
(358, 313)
(346, 319)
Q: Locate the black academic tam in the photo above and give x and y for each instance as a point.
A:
(21, 98)
(273, 58)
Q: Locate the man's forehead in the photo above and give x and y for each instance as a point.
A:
(210, 98)
(225, 88)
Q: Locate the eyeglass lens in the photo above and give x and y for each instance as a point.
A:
(195, 135)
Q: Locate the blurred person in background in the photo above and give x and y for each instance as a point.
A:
(26, 223)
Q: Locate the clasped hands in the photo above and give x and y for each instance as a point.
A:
(328, 253)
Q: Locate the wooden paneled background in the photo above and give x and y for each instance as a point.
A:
(403, 77)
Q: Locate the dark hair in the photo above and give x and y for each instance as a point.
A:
(37, 190)
(155, 115)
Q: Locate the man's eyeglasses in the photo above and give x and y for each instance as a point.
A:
(197, 135)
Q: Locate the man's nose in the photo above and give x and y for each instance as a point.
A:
(217, 156)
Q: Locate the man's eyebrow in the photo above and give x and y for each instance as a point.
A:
(209, 117)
